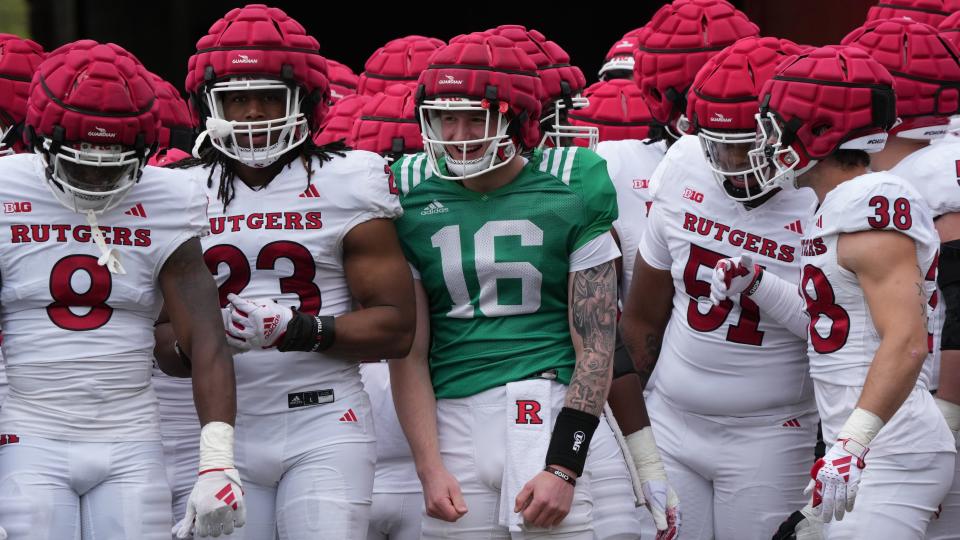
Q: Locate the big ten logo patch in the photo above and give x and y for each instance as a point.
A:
(528, 412)
(693, 195)
(17, 207)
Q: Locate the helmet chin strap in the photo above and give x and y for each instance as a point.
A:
(109, 257)
(216, 127)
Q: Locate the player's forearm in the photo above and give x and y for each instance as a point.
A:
(416, 407)
(642, 339)
(593, 315)
(165, 353)
(893, 373)
(373, 332)
(780, 299)
(626, 402)
(214, 383)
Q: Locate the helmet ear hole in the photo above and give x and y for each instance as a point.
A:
(820, 129)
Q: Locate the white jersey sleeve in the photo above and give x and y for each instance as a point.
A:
(284, 242)
(934, 171)
(842, 338)
(3, 380)
(79, 340)
(733, 359)
(630, 164)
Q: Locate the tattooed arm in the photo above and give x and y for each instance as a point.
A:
(885, 263)
(645, 316)
(593, 324)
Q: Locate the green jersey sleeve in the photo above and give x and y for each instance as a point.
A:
(586, 174)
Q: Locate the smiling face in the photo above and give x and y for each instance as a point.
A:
(460, 126)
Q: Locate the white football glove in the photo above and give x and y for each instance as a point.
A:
(659, 498)
(732, 277)
(238, 344)
(801, 525)
(836, 476)
(262, 325)
(216, 504)
(3, 534)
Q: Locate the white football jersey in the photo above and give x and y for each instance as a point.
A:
(396, 472)
(3, 380)
(730, 359)
(842, 336)
(283, 242)
(631, 164)
(78, 340)
(934, 171)
(178, 414)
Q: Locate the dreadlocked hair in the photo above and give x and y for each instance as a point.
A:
(210, 156)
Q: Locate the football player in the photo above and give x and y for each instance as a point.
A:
(18, 62)
(505, 385)
(618, 63)
(621, 117)
(931, 12)
(868, 278)
(925, 73)
(177, 125)
(729, 376)
(81, 452)
(343, 81)
(388, 126)
(298, 234)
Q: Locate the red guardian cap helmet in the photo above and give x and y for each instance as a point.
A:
(925, 69)
(930, 12)
(93, 116)
(479, 74)
(823, 100)
(19, 59)
(676, 43)
(343, 81)
(258, 49)
(722, 105)
(616, 110)
(563, 85)
(950, 29)
(400, 61)
(176, 121)
(339, 122)
(618, 63)
(388, 125)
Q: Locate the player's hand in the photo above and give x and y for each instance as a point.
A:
(664, 506)
(3, 534)
(441, 495)
(801, 525)
(732, 277)
(546, 499)
(262, 325)
(215, 505)
(836, 479)
(236, 343)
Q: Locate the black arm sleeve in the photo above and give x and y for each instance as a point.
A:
(948, 278)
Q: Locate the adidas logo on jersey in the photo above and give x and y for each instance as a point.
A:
(137, 211)
(794, 227)
(349, 417)
(310, 193)
(449, 79)
(244, 59)
(793, 422)
(101, 132)
(434, 208)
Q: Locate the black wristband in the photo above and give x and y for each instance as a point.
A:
(308, 333)
(756, 282)
(184, 359)
(570, 440)
(561, 475)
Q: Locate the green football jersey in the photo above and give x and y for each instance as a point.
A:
(495, 265)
